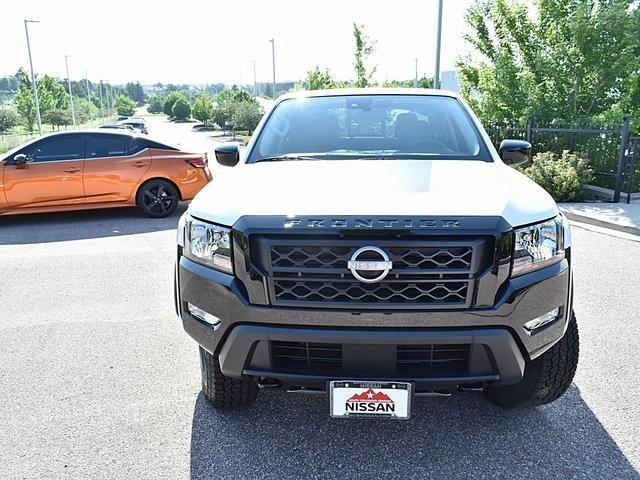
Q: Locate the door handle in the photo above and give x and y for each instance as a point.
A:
(139, 164)
(71, 170)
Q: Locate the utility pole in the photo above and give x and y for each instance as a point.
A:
(255, 84)
(101, 103)
(33, 76)
(73, 112)
(273, 61)
(415, 82)
(106, 89)
(436, 76)
(86, 80)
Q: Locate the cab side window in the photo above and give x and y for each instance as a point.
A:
(99, 146)
(64, 147)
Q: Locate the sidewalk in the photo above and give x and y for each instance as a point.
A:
(616, 216)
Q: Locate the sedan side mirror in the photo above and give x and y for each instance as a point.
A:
(228, 154)
(513, 152)
(20, 159)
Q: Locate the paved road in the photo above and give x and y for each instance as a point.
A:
(97, 379)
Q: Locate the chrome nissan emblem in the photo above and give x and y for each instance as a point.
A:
(368, 264)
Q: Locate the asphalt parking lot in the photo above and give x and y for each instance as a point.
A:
(98, 380)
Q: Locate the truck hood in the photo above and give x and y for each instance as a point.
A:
(373, 187)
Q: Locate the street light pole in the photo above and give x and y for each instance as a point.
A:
(73, 112)
(33, 76)
(101, 103)
(436, 77)
(415, 82)
(273, 60)
(255, 84)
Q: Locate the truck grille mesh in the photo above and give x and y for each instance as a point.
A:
(384, 292)
(425, 273)
(403, 258)
(424, 360)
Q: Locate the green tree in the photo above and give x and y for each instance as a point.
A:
(246, 116)
(57, 117)
(156, 104)
(8, 119)
(170, 100)
(364, 48)
(125, 106)
(318, 79)
(85, 108)
(575, 61)
(25, 105)
(222, 113)
(181, 109)
(202, 108)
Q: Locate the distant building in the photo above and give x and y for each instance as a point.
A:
(449, 81)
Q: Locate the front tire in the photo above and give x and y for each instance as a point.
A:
(223, 392)
(546, 378)
(158, 198)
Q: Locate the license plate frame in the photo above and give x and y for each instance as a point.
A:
(366, 399)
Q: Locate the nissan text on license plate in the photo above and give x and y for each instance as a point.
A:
(349, 399)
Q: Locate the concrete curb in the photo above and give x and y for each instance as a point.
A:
(600, 223)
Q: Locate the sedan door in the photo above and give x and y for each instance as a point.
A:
(52, 175)
(115, 163)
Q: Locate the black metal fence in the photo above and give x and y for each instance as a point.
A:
(612, 151)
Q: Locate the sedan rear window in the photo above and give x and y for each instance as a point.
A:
(370, 126)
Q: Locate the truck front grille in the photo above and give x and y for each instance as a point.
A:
(426, 273)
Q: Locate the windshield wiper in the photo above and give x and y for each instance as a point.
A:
(284, 158)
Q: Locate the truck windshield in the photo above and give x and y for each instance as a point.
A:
(369, 127)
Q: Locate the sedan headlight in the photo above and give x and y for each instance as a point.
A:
(208, 244)
(538, 246)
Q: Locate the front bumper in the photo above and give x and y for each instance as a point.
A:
(498, 343)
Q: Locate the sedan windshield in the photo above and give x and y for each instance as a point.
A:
(369, 127)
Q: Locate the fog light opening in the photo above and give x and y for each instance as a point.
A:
(538, 322)
(204, 316)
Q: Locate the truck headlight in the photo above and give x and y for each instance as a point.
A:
(208, 244)
(538, 246)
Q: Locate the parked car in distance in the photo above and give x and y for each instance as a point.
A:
(122, 117)
(119, 126)
(87, 169)
(136, 124)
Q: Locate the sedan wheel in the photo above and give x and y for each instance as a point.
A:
(158, 198)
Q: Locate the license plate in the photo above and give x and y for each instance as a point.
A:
(349, 399)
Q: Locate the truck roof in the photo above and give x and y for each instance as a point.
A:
(334, 92)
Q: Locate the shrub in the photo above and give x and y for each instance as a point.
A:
(563, 177)
(125, 106)
(202, 108)
(8, 119)
(169, 101)
(181, 109)
(156, 104)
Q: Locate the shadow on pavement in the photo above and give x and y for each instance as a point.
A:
(59, 227)
(291, 436)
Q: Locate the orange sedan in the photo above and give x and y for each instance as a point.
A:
(86, 169)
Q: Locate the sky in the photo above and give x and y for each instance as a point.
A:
(199, 41)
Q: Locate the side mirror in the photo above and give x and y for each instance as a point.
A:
(20, 159)
(513, 152)
(228, 154)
